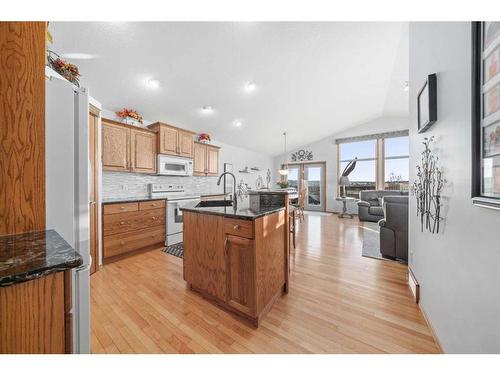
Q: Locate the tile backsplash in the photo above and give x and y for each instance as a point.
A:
(124, 184)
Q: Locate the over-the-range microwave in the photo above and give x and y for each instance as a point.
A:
(174, 166)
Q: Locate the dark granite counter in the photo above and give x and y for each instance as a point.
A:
(144, 199)
(32, 255)
(244, 212)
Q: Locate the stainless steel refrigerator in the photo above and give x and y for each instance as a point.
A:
(67, 187)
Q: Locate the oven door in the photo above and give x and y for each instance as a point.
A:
(175, 219)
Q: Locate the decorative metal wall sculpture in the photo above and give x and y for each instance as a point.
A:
(242, 189)
(302, 155)
(268, 177)
(427, 189)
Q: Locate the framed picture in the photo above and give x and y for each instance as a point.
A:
(485, 187)
(491, 140)
(427, 104)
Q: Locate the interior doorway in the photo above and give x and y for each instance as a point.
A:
(310, 176)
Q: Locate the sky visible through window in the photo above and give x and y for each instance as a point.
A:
(366, 170)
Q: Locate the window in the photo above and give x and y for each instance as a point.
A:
(386, 169)
(396, 163)
(364, 176)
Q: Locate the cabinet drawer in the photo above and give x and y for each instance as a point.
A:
(120, 207)
(150, 205)
(236, 227)
(126, 242)
(130, 221)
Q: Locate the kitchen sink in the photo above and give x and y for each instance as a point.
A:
(222, 203)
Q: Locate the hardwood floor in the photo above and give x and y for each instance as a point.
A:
(339, 302)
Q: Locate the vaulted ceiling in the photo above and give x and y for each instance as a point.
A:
(311, 79)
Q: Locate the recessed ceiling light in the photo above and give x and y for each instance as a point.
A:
(77, 56)
(237, 123)
(152, 83)
(250, 86)
(208, 109)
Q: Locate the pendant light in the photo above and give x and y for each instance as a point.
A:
(284, 167)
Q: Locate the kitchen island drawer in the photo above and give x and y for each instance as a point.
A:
(131, 221)
(115, 208)
(237, 227)
(151, 205)
(118, 244)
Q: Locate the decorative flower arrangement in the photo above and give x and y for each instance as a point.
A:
(130, 113)
(64, 68)
(282, 184)
(204, 138)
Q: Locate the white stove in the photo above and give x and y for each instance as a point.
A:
(176, 198)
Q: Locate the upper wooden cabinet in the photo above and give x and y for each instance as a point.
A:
(172, 140)
(142, 151)
(115, 147)
(205, 159)
(128, 148)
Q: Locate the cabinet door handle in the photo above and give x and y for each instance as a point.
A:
(154, 218)
(122, 243)
(153, 204)
(122, 223)
(153, 235)
(236, 227)
(122, 208)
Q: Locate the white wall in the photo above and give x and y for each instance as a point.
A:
(458, 269)
(326, 150)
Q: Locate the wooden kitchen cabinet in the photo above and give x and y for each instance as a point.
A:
(115, 147)
(212, 160)
(128, 148)
(173, 140)
(36, 316)
(131, 227)
(142, 151)
(241, 264)
(205, 160)
(240, 255)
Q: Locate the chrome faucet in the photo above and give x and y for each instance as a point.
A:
(235, 199)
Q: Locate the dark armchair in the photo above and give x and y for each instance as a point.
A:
(370, 203)
(394, 228)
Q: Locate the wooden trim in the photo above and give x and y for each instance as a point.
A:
(413, 279)
(94, 110)
(113, 122)
(413, 285)
(155, 127)
(207, 144)
(22, 127)
(431, 329)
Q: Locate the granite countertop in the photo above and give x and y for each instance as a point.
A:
(32, 255)
(244, 212)
(144, 199)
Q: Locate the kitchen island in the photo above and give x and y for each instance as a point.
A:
(237, 258)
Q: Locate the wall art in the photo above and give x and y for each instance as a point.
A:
(427, 189)
(302, 155)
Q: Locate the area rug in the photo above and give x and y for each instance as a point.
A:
(176, 250)
(371, 242)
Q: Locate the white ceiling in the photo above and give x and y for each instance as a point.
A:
(313, 79)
